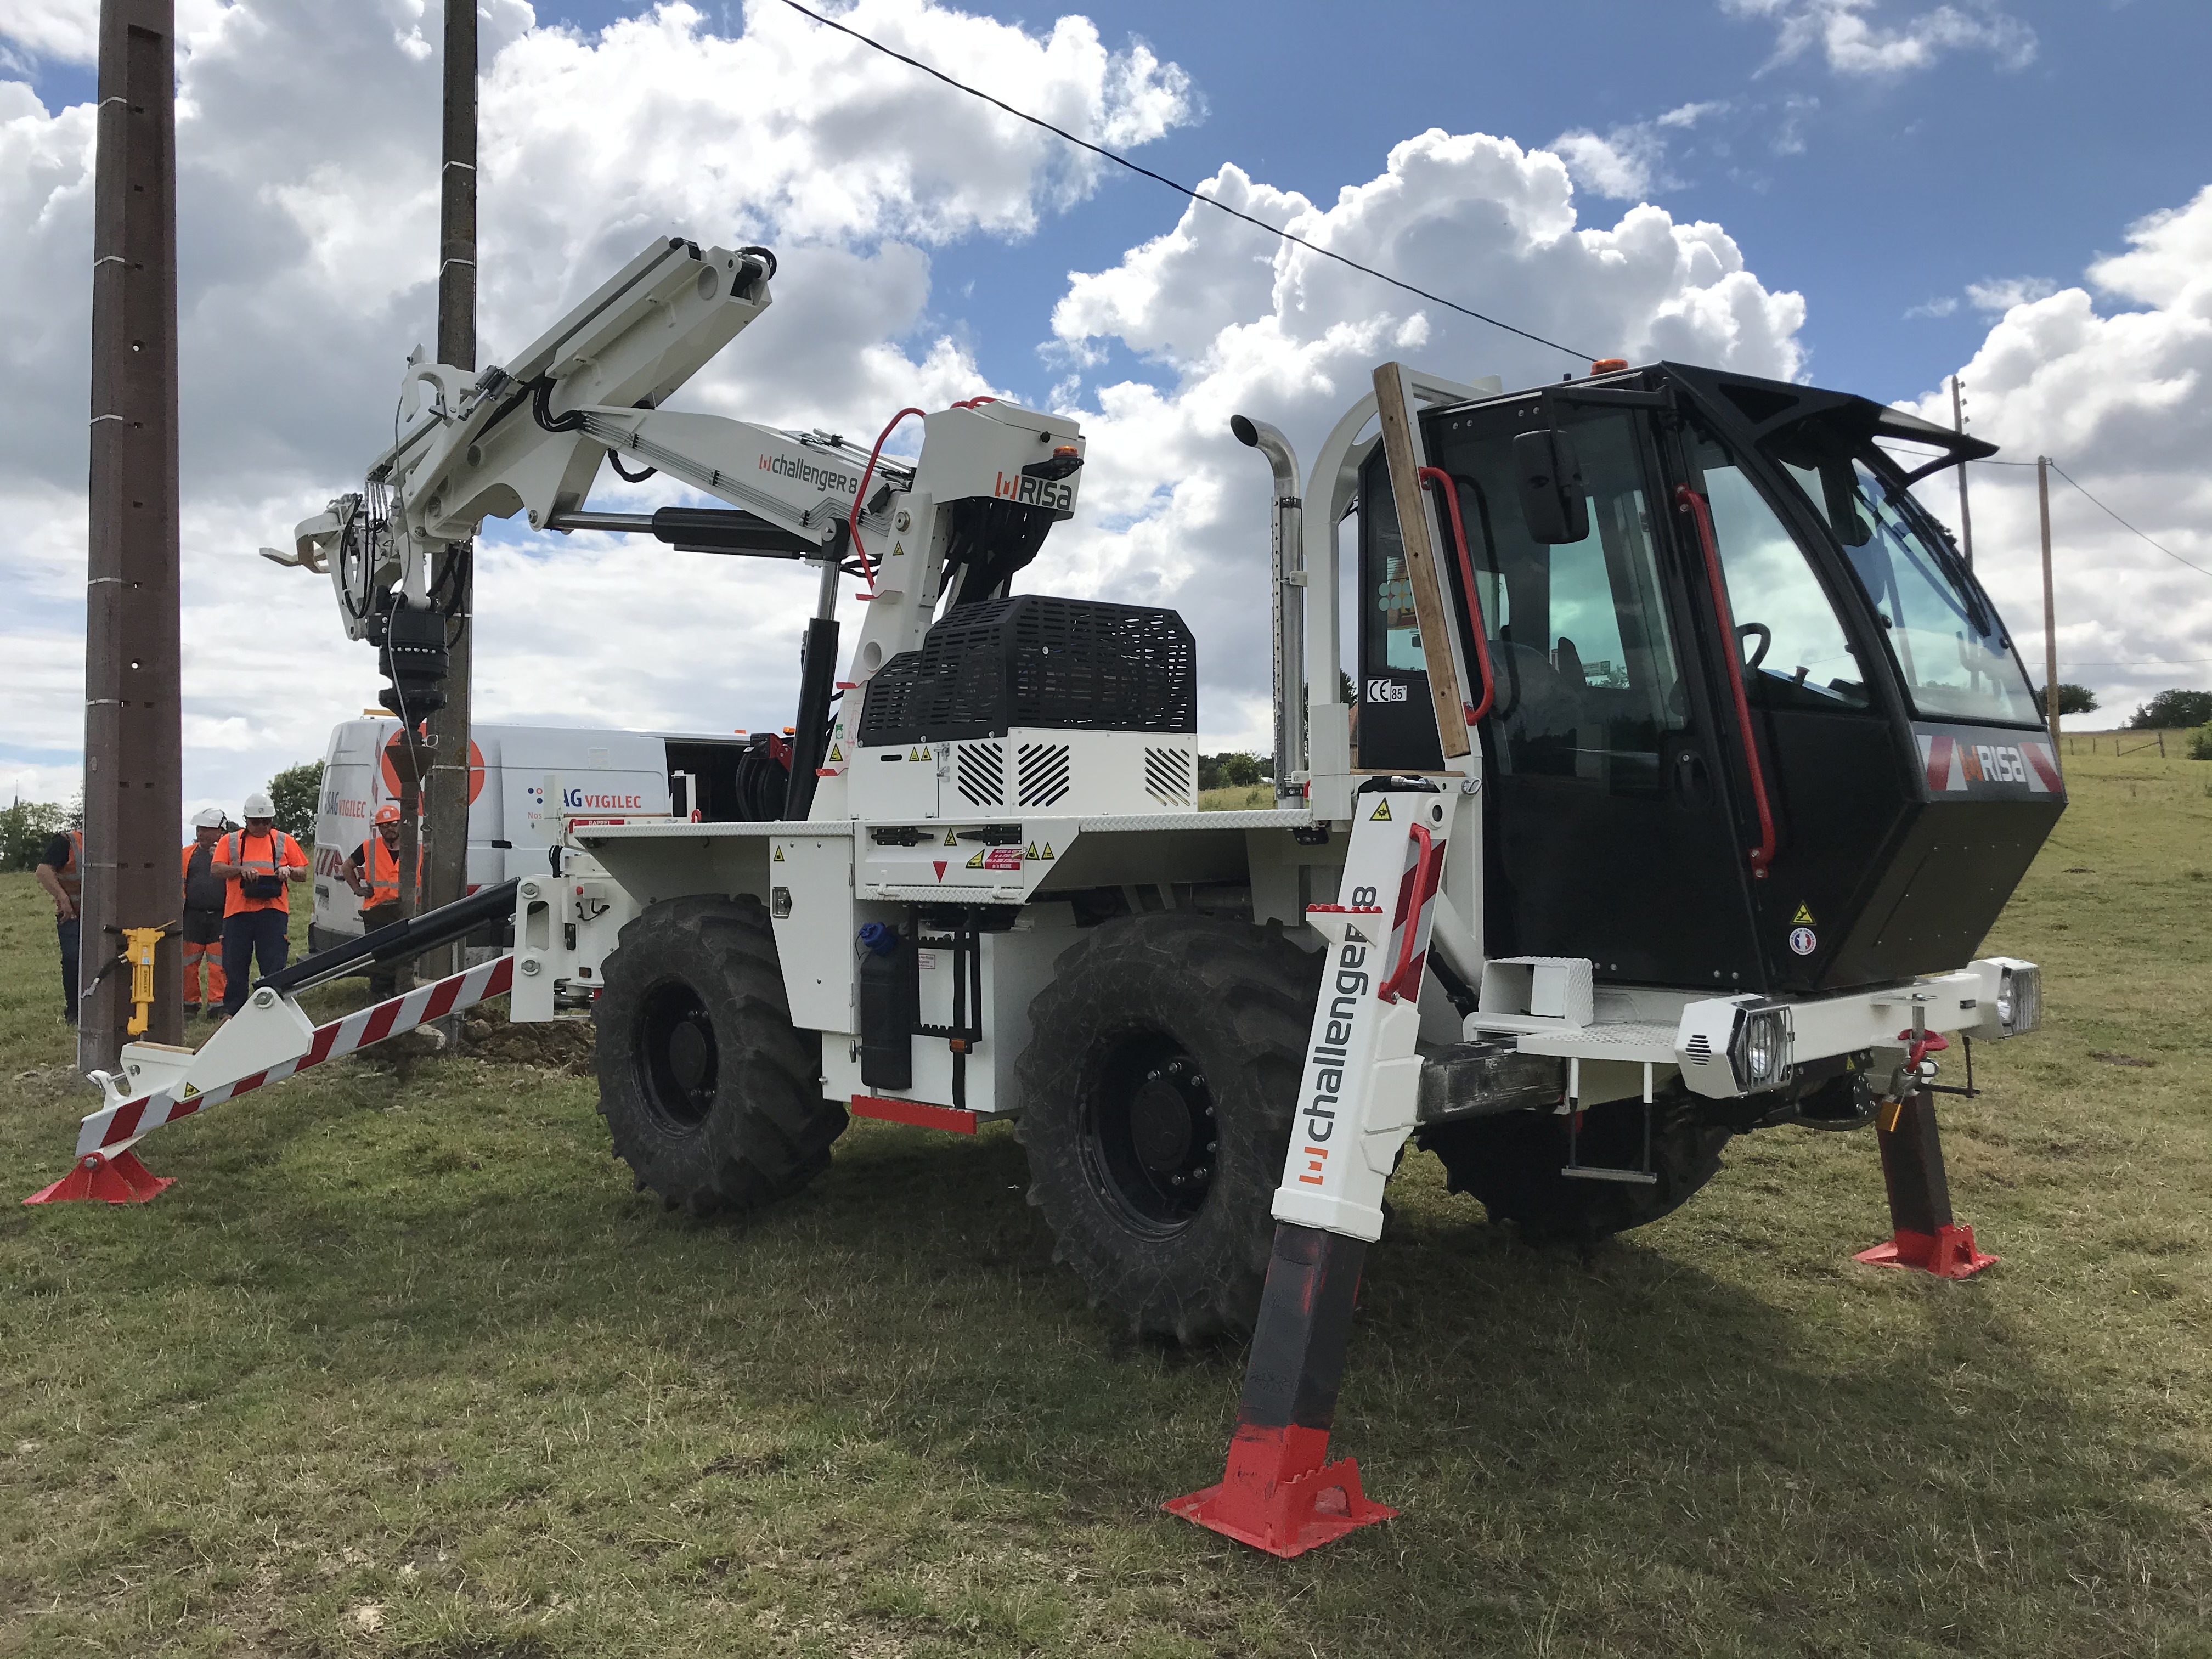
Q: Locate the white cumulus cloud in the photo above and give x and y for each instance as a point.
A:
(1852, 37)
(2116, 394)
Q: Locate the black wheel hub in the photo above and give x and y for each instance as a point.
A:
(676, 1054)
(1149, 1140)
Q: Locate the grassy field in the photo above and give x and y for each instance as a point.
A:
(402, 1366)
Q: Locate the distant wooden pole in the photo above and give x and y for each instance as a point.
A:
(2049, 604)
(133, 732)
(1965, 514)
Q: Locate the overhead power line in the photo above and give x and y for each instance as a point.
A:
(2130, 528)
(1183, 190)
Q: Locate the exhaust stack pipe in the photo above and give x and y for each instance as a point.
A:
(1290, 614)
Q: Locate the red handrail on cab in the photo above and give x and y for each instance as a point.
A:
(1688, 501)
(1449, 491)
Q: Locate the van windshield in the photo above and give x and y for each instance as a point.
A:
(1950, 646)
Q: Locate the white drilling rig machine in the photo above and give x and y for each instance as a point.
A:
(1688, 766)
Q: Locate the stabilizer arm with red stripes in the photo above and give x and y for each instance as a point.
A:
(269, 1040)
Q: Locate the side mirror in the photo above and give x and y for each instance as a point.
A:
(1550, 474)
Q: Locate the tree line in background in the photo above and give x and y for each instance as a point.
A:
(25, 826)
(1234, 768)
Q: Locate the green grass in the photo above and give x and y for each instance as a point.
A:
(402, 1366)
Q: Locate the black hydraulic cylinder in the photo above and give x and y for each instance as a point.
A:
(818, 675)
(1304, 1328)
(401, 942)
(1913, 1165)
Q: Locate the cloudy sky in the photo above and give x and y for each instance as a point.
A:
(1875, 194)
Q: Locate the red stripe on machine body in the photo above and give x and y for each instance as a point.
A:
(124, 1124)
(921, 1113)
(2046, 767)
(1938, 763)
(380, 1023)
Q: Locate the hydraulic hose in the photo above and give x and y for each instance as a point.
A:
(853, 519)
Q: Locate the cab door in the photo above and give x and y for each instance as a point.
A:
(1608, 824)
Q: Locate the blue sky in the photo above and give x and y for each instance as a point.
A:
(1907, 188)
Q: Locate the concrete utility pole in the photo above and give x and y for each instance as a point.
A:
(133, 734)
(1966, 514)
(2050, 606)
(446, 877)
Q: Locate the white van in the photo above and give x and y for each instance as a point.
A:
(604, 774)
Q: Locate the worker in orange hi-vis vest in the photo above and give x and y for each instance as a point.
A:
(205, 893)
(259, 863)
(372, 871)
(61, 873)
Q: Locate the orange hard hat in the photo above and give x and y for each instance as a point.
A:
(387, 813)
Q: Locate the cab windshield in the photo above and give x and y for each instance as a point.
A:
(1951, 649)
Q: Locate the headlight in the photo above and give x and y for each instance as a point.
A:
(1759, 1052)
(2020, 998)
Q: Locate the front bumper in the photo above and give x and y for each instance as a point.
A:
(1729, 1047)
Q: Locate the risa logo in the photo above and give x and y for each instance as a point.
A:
(1385, 691)
(1057, 496)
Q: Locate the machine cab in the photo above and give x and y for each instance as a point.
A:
(1753, 724)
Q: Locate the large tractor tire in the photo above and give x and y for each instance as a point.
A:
(1512, 1162)
(711, 1096)
(1158, 1092)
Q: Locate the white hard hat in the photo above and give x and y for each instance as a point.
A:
(209, 817)
(258, 807)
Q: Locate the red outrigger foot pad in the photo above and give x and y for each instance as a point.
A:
(121, 1179)
(1949, 1253)
(1277, 1495)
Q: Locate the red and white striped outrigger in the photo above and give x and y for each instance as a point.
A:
(270, 1039)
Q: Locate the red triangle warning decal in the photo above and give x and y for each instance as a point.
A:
(940, 864)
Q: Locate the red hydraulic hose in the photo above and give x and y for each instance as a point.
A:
(1449, 491)
(1688, 501)
(853, 519)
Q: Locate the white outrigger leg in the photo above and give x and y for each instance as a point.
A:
(1356, 1106)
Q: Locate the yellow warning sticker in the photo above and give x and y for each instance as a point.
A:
(779, 855)
(191, 1089)
(975, 863)
(1804, 918)
(913, 753)
(1381, 814)
(1048, 851)
(1030, 851)
(898, 549)
(950, 839)
(836, 753)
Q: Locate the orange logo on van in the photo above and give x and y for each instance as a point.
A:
(391, 772)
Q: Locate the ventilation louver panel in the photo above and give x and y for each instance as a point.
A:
(1037, 660)
(980, 770)
(1042, 771)
(1168, 777)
